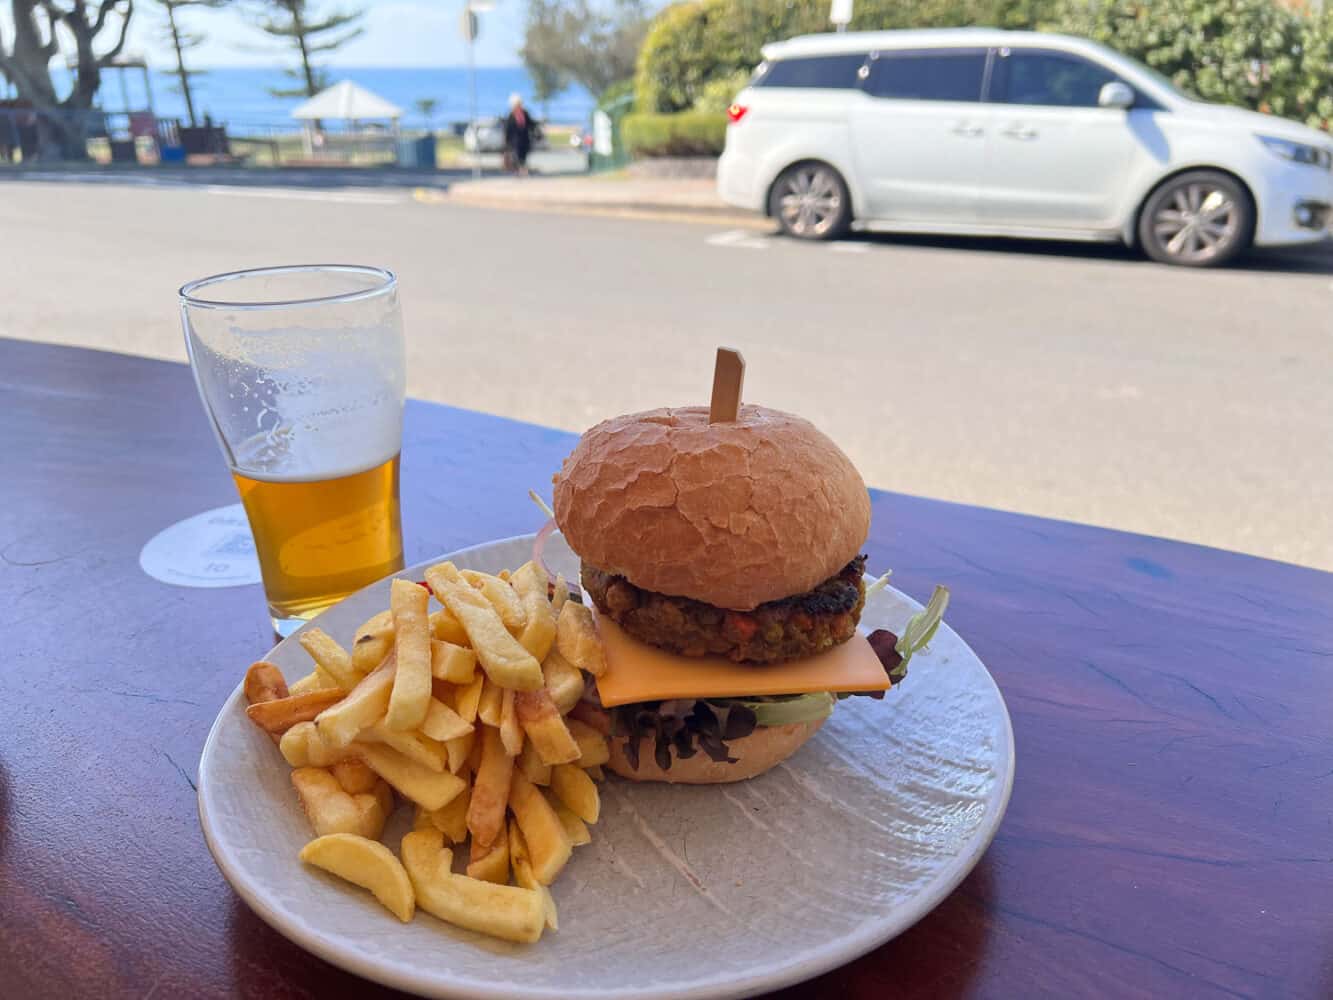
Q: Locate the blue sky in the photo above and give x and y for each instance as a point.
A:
(398, 33)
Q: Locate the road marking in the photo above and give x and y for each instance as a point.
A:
(344, 197)
(738, 238)
(850, 247)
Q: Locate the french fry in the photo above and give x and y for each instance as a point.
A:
(316, 680)
(574, 828)
(504, 660)
(452, 662)
(576, 638)
(468, 699)
(490, 788)
(490, 862)
(510, 733)
(502, 598)
(503, 911)
(593, 747)
(264, 682)
(596, 773)
(443, 723)
(541, 720)
(280, 714)
(446, 628)
(549, 845)
(410, 697)
(524, 876)
(420, 749)
(423, 853)
(364, 705)
(427, 788)
(372, 643)
(490, 703)
(452, 819)
(367, 863)
(532, 765)
(577, 791)
(563, 680)
(302, 746)
(559, 594)
(332, 810)
(330, 657)
(354, 776)
(460, 751)
(538, 634)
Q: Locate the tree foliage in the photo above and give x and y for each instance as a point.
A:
(1254, 53)
(181, 40)
(294, 22)
(593, 43)
(37, 27)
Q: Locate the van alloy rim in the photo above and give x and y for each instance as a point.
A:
(810, 201)
(1197, 221)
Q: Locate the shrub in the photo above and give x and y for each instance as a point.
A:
(685, 133)
(693, 43)
(1252, 53)
(717, 95)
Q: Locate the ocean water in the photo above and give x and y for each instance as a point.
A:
(239, 97)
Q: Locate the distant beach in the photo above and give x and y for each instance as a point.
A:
(239, 98)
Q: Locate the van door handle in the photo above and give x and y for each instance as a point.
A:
(1019, 132)
(968, 129)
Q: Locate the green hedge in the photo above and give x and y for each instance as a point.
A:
(695, 42)
(686, 133)
(1211, 47)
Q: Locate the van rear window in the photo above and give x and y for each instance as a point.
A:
(833, 72)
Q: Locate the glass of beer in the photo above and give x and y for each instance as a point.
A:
(301, 371)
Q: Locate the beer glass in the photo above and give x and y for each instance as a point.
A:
(301, 372)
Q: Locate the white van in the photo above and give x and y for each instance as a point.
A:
(1006, 133)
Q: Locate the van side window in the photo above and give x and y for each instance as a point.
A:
(927, 74)
(828, 72)
(1046, 78)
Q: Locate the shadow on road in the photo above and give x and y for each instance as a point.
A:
(1311, 259)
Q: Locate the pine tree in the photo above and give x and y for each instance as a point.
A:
(311, 35)
(181, 41)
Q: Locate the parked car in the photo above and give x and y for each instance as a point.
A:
(487, 135)
(989, 132)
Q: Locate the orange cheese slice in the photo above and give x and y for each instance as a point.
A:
(638, 672)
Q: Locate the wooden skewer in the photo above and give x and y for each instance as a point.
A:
(728, 377)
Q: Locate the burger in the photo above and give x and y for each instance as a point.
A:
(724, 565)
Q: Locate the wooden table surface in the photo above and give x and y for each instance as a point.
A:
(1171, 827)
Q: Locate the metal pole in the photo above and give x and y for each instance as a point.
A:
(472, 94)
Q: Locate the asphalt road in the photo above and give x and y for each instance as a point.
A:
(1065, 381)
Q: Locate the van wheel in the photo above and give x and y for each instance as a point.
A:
(810, 201)
(1201, 218)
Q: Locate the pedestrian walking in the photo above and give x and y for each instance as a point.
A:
(518, 135)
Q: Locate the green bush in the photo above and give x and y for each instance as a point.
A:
(1253, 53)
(717, 95)
(694, 43)
(685, 133)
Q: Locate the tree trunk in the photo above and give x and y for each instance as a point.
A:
(181, 72)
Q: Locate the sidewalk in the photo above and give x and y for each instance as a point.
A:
(617, 193)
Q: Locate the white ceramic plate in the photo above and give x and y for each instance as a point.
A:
(684, 892)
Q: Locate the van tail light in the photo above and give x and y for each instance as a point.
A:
(736, 112)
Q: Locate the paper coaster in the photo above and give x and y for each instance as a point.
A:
(212, 549)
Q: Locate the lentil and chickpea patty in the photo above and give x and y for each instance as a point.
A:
(785, 629)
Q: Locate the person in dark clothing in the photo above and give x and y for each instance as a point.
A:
(518, 134)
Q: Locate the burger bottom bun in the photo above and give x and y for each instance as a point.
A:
(756, 753)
